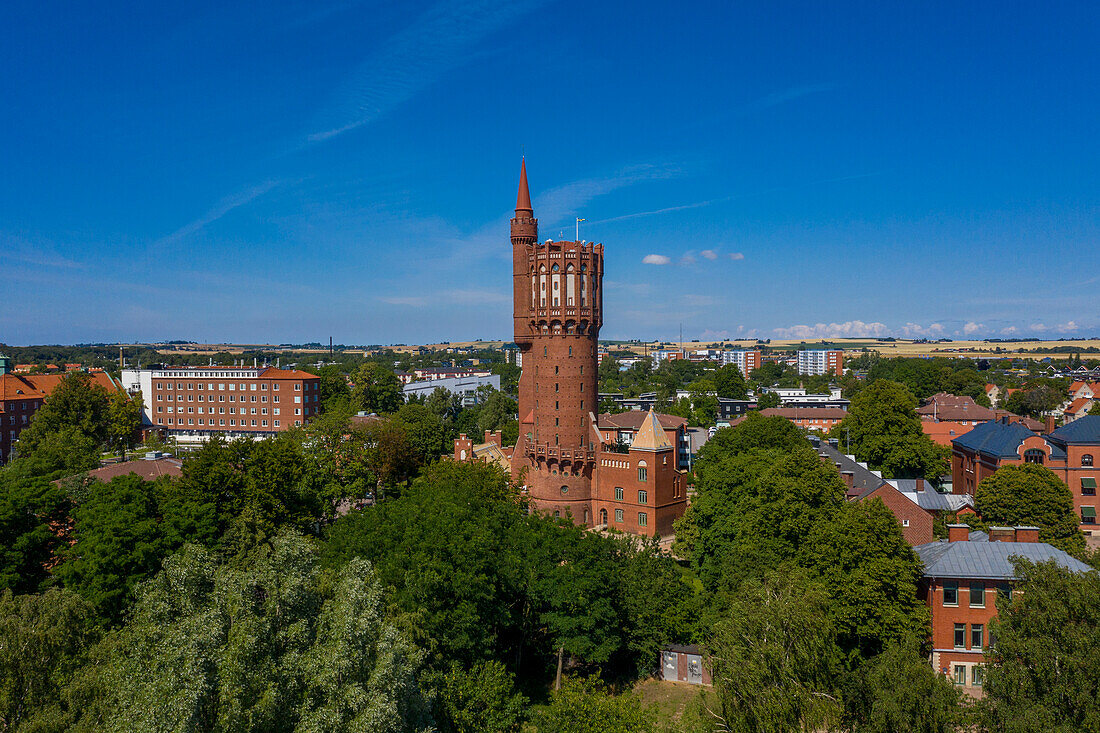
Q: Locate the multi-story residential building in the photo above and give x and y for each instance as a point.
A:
(964, 578)
(21, 395)
(1070, 452)
(747, 361)
(569, 469)
(191, 404)
(823, 361)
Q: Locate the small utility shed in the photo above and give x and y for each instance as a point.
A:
(683, 663)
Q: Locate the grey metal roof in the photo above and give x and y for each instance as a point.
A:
(932, 500)
(995, 439)
(988, 560)
(863, 478)
(1083, 430)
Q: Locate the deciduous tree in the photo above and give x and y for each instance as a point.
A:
(1031, 494)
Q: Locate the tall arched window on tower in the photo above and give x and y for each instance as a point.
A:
(1086, 460)
(643, 473)
(570, 285)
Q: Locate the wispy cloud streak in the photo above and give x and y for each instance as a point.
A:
(414, 58)
(224, 206)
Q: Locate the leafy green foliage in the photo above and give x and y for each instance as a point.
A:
(1046, 673)
(730, 383)
(26, 542)
(1034, 402)
(1031, 494)
(583, 706)
(871, 572)
(377, 389)
(773, 660)
(899, 692)
(123, 530)
(123, 421)
(479, 579)
(767, 401)
(885, 431)
(75, 417)
(269, 646)
(481, 700)
(42, 643)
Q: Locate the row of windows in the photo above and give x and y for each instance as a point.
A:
(643, 495)
(977, 674)
(233, 386)
(22, 405)
(221, 422)
(221, 410)
(221, 398)
(976, 592)
(977, 636)
(643, 518)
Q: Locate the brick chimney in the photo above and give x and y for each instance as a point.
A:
(1027, 534)
(848, 477)
(920, 484)
(1002, 534)
(1048, 426)
(958, 532)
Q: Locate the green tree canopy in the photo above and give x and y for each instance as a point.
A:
(1045, 672)
(773, 659)
(42, 643)
(123, 421)
(730, 383)
(885, 431)
(582, 705)
(768, 400)
(377, 389)
(1031, 494)
(274, 645)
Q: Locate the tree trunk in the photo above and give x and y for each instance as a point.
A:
(557, 682)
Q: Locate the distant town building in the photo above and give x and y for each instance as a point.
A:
(965, 577)
(746, 361)
(465, 386)
(191, 404)
(21, 396)
(821, 419)
(825, 361)
(1070, 451)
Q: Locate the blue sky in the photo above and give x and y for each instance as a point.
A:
(283, 172)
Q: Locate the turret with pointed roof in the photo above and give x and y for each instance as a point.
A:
(651, 436)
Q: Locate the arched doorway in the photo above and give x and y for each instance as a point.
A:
(603, 517)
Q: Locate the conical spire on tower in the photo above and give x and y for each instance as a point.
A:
(523, 198)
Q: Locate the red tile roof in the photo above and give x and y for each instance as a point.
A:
(276, 373)
(148, 469)
(633, 419)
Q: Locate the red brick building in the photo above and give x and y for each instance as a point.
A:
(21, 395)
(562, 459)
(821, 419)
(1070, 451)
(964, 577)
(191, 404)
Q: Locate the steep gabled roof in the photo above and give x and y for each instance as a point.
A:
(650, 436)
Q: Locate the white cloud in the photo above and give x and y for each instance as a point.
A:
(1067, 326)
(1038, 327)
(972, 328)
(737, 256)
(848, 329)
(1009, 330)
(709, 254)
(916, 330)
(687, 259)
(656, 260)
(693, 299)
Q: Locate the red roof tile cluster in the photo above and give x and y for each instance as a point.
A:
(633, 419)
